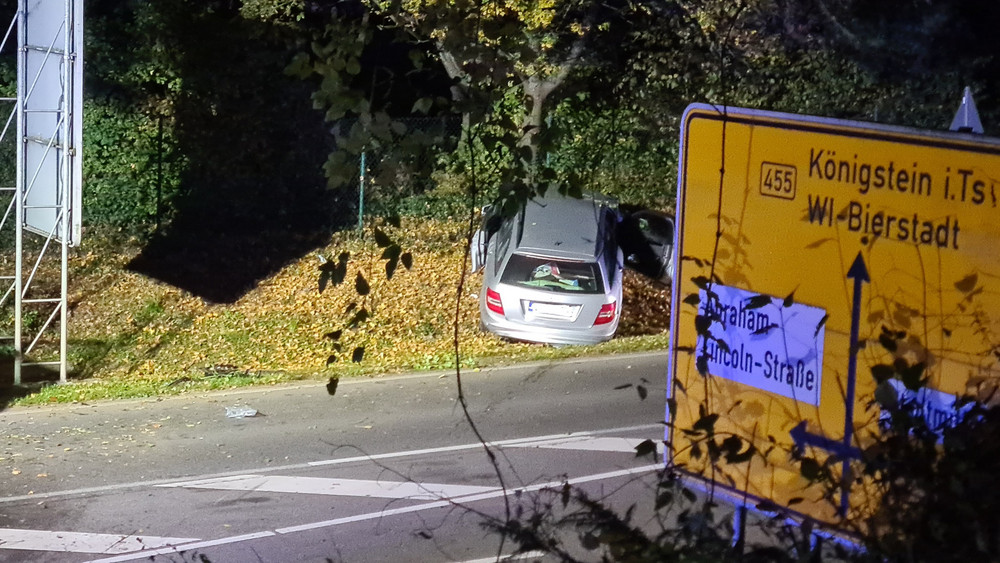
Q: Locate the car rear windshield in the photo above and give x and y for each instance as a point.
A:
(552, 275)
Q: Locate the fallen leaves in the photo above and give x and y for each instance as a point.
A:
(131, 331)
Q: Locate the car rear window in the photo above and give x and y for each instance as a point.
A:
(552, 275)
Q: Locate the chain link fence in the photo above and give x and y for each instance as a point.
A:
(387, 176)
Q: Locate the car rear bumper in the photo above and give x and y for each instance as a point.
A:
(544, 334)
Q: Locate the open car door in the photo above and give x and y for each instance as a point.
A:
(481, 239)
(478, 250)
(647, 241)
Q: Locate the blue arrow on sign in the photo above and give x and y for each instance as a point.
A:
(803, 438)
(859, 273)
(842, 449)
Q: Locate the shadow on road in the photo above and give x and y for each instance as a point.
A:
(33, 378)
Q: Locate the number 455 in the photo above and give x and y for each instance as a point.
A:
(777, 180)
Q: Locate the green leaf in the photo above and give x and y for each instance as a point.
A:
(423, 105)
(810, 469)
(887, 342)
(913, 376)
(702, 364)
(335, 335)
(381, 239)
(734, 452)
(821, 324)
(886, 395)
(358, 354)
(390, 268)
(391, 252)
(324, 277)
(702, 324)
(358, 318)
(300, 66)
(689, 494)
(693, 299)
(331, 386)
(789, 301)
(664, 499)
(732, 444)
(353, 66)
(968, 283)
(706, 423)
(643, 392)
(764, 329)
(331, 272)
(361, 285)
(758, 301)
(646, 447)
(883, 372)
(407, 260)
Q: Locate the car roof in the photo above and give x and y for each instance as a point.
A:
(563, 227)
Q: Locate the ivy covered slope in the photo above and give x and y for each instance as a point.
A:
(131, 335)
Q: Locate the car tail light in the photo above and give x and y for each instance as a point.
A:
(607, 314)
(493, 301)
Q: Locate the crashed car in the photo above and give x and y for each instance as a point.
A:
(647, 238)
(552, 273)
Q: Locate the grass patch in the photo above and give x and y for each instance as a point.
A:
(132, 336)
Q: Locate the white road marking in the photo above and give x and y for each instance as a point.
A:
(589, 443)
(129, 546)
(512, 557)
(385, 513)
(77, 542)
(478, 445)
(296, 466)
(407, 490)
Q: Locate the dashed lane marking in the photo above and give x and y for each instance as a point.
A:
(77, 542)
(406, 490)
(382, 514)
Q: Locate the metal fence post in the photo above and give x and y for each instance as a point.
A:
(361, 195)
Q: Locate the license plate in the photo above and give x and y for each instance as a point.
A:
(552, 310)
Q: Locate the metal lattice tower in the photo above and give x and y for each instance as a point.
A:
(43, 131)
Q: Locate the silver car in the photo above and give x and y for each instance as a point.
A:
(553, 272)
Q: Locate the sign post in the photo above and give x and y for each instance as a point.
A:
(810, 252)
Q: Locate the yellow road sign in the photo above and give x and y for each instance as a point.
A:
(815, 255)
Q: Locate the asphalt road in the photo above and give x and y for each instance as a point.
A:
(388, 469)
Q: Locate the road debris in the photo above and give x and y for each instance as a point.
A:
(240, 411)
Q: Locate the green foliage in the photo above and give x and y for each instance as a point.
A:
(931, 479)
(189, 118)
(613, 152)
(132, 166)
(938, 502)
